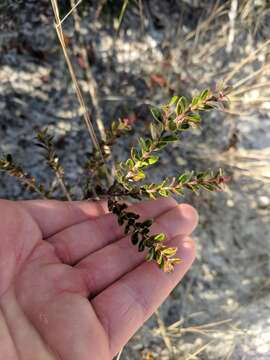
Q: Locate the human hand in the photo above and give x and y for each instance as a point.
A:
(72, 286)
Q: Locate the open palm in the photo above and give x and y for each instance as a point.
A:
(71, 285)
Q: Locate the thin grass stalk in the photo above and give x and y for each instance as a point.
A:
(232, 17)
(70, 11)
(121, 16)
(86, 114)
(251, 76)
(91, 82)
(245, 61)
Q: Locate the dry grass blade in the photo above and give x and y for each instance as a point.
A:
(194, 355)
(69, 13)
(250, 88)
(246, 60)
(251, 76)
(91, 82)
(253, 163)
(212, 46)
(121, 16)
(232, 17)
(216, 12)
(86, 115)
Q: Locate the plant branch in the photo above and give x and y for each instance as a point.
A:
(45, 141)
(171, 119)
(8, 165)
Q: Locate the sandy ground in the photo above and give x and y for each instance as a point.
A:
(221, 309)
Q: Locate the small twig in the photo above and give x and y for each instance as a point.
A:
(63, 186)
(45, 141)
(9, 166)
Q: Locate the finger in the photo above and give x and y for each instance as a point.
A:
(124, 306)
(107, 265)
(53, 216)
(78, 241)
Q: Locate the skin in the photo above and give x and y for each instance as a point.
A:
(72, 286)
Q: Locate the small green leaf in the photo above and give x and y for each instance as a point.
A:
(141, 245)
(159, 258)
(147, 223)
(114, 126)
(150, 255)
(169, 251)
(129, 163)
(181, 106)
(159, 237)
(164, 192)
(208, 106)
(185, 126)
(145, 144)
(201, 175)
(195, 100)
(154, 131)
(193, 118)
(134, 154)
(152, 160)
(179, 191)
(172, 125)
(184, 178)
(204, 94)
(207, 187)
(173, 101)
(140, 175)
(135, 238)
(161, 145)
(157, 114)
(170, 138)
(142, 144)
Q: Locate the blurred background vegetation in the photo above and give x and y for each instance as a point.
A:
(127, 55)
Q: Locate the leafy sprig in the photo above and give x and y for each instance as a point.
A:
(140, 236)
(172, 119)
(8, 165)
(207, 180)
(45, 141)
